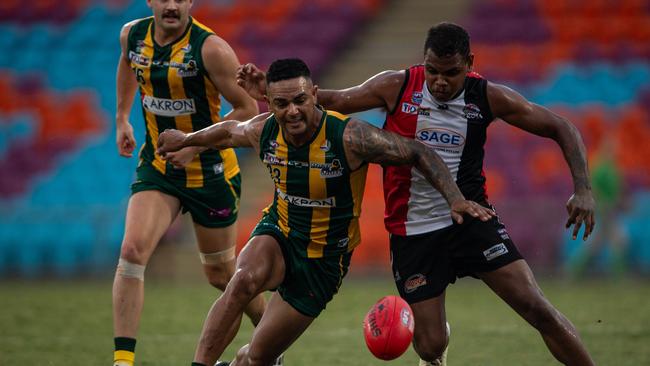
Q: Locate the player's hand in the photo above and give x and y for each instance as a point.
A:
(581, 207)
(125, 140)
(462, 207)
(253, 80)
(170, 141)
(181, 158)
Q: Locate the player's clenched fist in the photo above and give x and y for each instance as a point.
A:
(170, 141)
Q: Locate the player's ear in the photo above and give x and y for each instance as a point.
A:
(470, 61)
(314, 92)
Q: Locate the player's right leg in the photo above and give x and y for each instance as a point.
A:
(149, 215)
(281, 325)
(422, 272)
(260, 267)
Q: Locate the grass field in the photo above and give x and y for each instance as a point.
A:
(69, 323)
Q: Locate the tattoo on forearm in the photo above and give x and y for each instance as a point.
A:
(381, 147)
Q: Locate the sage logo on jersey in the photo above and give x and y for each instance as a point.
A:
(306, 202)
(440, 137)
(409, 108)
(495, 251)
(138, 59)
(168, 107)
(472, 111)
(414, 282)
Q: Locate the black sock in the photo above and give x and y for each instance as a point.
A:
(124, 344)
(197, 364)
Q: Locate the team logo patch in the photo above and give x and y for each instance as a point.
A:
(414, 282)
(332, 170)
(472, 111)
(218, 168)
(326, 146)
(495, 251)
(416, 98)
(187, 48)
(187, 69)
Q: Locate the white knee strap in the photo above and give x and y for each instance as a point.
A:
(131, 270)
(220, 257)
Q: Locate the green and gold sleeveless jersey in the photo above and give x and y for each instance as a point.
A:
(317, 198)
(176, 93)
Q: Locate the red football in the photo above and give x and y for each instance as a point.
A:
(388, 327)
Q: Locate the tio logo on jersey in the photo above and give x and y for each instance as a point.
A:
(440, 137)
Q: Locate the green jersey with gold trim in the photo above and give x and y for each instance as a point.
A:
(176, 92)
(317, 198)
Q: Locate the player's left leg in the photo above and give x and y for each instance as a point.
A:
(516, 285)
(217, 251)
(280, 326)
(430, 336)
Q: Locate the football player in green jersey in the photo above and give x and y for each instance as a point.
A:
(303, 244)
(181, 68)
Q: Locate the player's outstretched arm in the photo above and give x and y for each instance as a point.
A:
(380, 91)
(514, 109)
(366, 143)
(222, 135)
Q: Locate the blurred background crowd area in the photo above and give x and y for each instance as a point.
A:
(64, 189)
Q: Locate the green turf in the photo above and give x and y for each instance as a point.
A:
(69, 323)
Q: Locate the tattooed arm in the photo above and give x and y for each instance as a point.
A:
(514, 109)
(366, 143)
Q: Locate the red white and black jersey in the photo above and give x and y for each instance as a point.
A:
(456, 130)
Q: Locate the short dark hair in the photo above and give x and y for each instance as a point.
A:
(287, 68)
(447, 39)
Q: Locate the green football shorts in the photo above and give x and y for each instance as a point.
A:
(214, 205)
(309, 283)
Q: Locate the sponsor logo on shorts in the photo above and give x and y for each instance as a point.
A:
(168, 107)
(504, 234)
(218, 168)
(495, 251)
(219, 212)
(343, 242)
(306, 202)
(414, 282)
